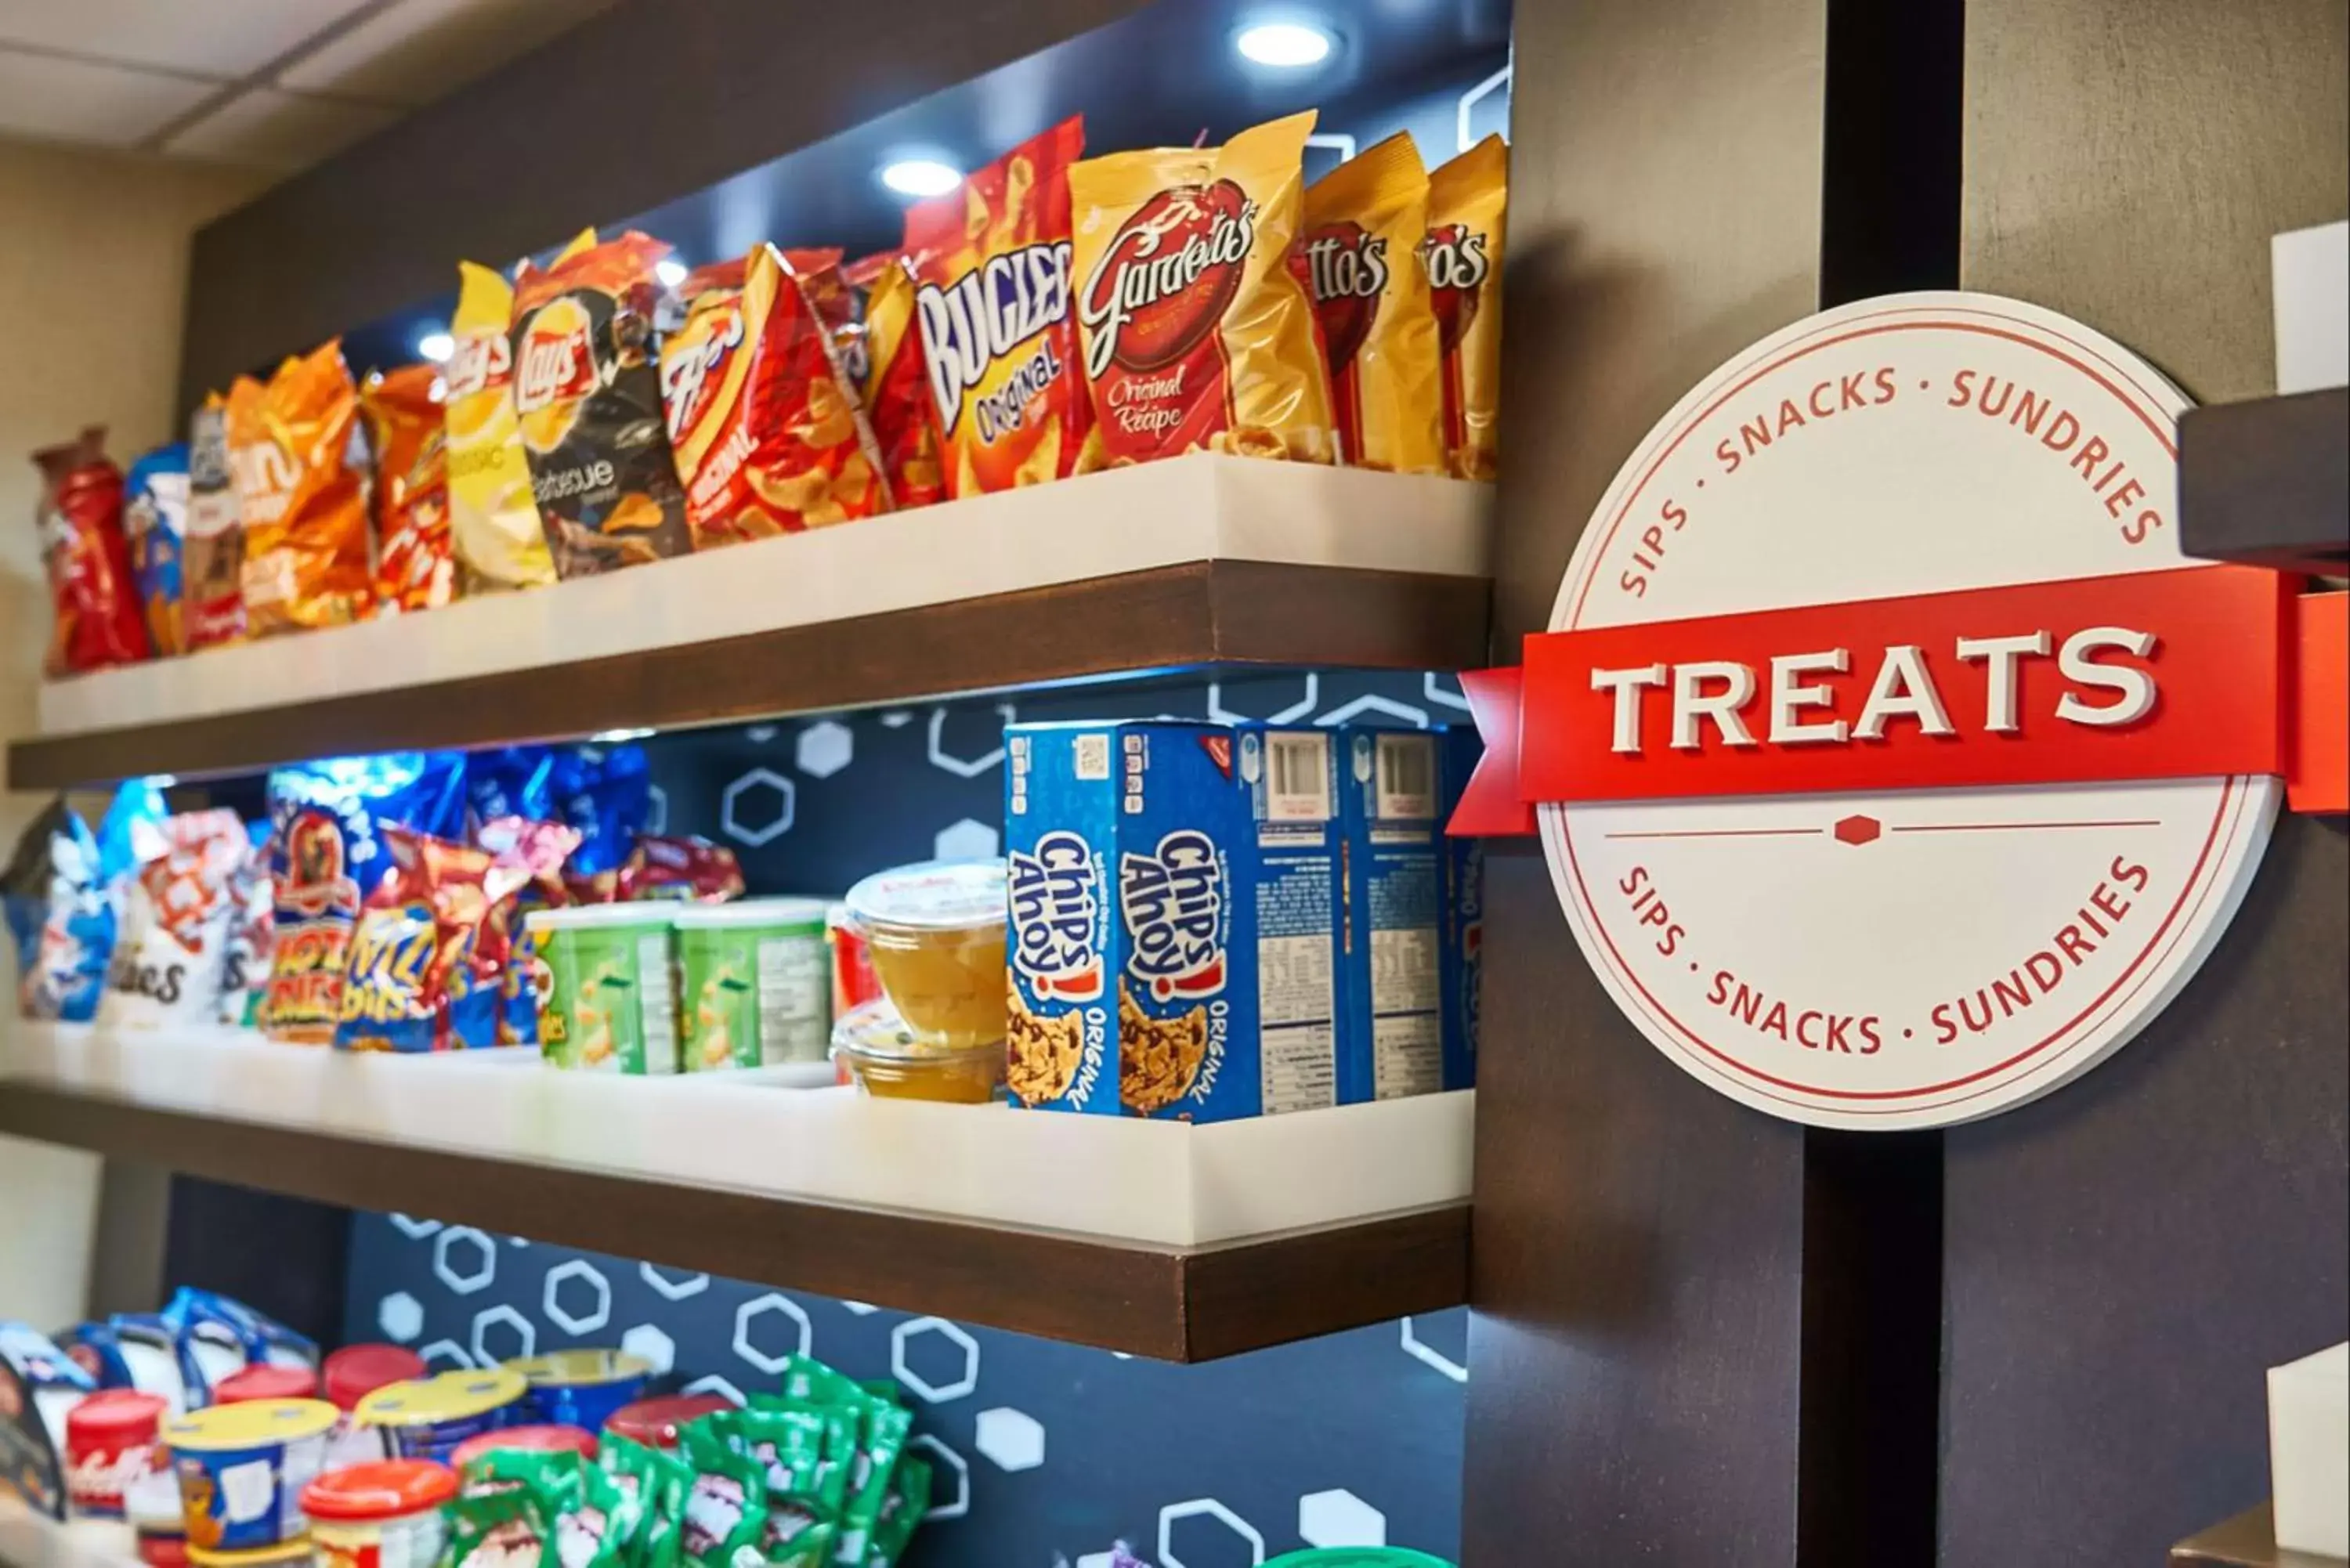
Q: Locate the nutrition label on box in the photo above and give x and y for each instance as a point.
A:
(794, 993)
(656, 1008)
(1295, 987)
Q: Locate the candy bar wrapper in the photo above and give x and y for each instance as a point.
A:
(895, 384)
(726, 1505)
(992, 259)
(245, 973)
(172, 954)
(536, 851)
(493, 530)
(768, 433)
(94, 615)
(1197, 336)
(1468, 204)
(211, 569)
(902, 1507)
(588, 400)
(155, 516)
(1359, 258)
(414, 567)
(500, 1529)
(692, 870)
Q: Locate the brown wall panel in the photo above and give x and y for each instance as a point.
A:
(2125, 1256)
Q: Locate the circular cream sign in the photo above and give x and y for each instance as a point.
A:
(1925, 956)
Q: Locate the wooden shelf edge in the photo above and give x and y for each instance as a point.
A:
(2246, 1541)
(2267, 483)
(1169, 1303)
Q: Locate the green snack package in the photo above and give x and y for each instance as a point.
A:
(654, 1484)
(596, 1531)
(881, 1438)
(725, 1504)
(903, 1508)
(807, 1381)
(553, 1476)
(500, 1529)
(789, 1444)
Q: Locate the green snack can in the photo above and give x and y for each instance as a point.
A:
(756, 983)
(606, 1000)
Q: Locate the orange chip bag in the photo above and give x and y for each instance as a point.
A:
(768, 436)
(299, 460)
(1365, 223)
(1468, 201)
(1197, 334)
(992, 259)
(893, 381)
(414, 570)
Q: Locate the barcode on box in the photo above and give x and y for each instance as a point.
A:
(1297, 777)
(1405, 774)
(1092, 759)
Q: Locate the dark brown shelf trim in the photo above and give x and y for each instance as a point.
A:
(1199, 614)
(1171, 1303)
(2267, 483)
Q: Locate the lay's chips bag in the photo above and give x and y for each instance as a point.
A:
(301, 479)
(992, 259)
(493, 521)
(212, 567)
(588, 400)
(414, 567)
(1197, 335)
(893, 382)
(1358, 256)
(1468, 201)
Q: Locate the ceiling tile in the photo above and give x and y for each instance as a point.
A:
(272, 129)
(218, 37)
(71, 101)
(418, 49)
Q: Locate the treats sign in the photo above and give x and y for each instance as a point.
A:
(1892, 767)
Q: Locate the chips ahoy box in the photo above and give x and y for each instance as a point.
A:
(1175, 918)
(1462, 954)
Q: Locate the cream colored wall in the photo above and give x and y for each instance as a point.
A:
(93, 272)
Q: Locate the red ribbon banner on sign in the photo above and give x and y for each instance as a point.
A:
(2180, 674)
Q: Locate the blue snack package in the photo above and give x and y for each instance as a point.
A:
(81, 912)
(606, 793)
(56, 846)
(1392, 810)
(155, 516)
(508, 781)
(1463, 955)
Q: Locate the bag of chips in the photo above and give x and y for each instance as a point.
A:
(1197, 335)
(605, 791)
(768, 431)
(155, 516)
(534, 851)
(96, 616)
(494, 528)
(55, 865)
(212, 570)
(245, 973)
(991, 258)
(411, 982)
(171, 956)
(300, 462)
(1468, 204)
(1358, 256)
(414, 567)
(588, 400)
(894, 385)
(690, 870)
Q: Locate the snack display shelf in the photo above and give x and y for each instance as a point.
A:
(29, 1540)
(1197, 561)
(1179, 1242)
(2267, 483)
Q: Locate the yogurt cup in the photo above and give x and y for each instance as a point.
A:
(384, 1515)
(536, 1438)
(654, 1422)
(242, 1469)
(753, 983)
(935, 933)
(582, 1387)
(606, 1002)
(426, 1419)
(265, 1381)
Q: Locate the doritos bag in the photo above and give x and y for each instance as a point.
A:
(211, 569)
(768, 435)
(1468, 202)
(1365, 223)
(587, 399)
(992, 262)
(171, 956)
(414, 568)
(1197, 335)
(493, 521)
(893, 383)
(155, 516)
(301, 477)
(95, 617)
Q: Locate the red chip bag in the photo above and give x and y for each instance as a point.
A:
(693, 869)
(415, 981)
(415, 567)
(888, 371)
(537, 850)
(97, 617)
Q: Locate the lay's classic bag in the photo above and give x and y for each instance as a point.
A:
(492, 522)
(300, 463)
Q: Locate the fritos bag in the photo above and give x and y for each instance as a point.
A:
(96, 619)
(211, 569)
(991, 260)
(493, 521)
(1196, 333)
(1365, 223)
(1468, 202)
(299, 460)
(155, 517)
(588, 400)
(414, 568)
(768, 435)
(894, 385)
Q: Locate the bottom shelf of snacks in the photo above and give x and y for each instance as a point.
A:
(1154, 1237)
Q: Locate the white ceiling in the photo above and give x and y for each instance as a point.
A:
(268, 84)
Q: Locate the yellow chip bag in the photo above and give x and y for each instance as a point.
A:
(493, 521)
(1365, 222)
(1196, 334)
(1468, 201)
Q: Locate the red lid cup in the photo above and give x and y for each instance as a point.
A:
(385, 1490)
(263, 1381)
(355, 1371)
(654, 1422)
(159, 1549)
(113, 1416)
(539, 1439)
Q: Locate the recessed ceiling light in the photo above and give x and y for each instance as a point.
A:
(670, 271)
(920, 176)
(436, 347)
(1285, 45)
